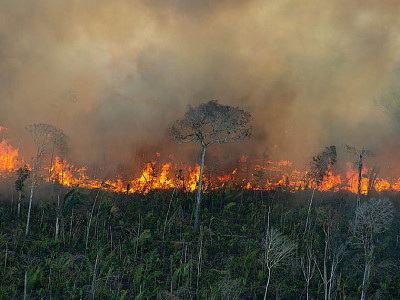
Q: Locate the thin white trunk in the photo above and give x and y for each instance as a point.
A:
(25, 284)
(198, 198)
(90, 220)
(58, 217)
(34, 170)
(367, 272)
(309, 210)
(19, 203)
(360, 165)
(94, 277)
(267, 285)
(325, 278)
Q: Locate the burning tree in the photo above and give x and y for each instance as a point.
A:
(43, 135)
(319, 167)
(362, 154)
(207, 124)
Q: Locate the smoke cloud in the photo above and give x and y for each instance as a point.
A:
(113, 74)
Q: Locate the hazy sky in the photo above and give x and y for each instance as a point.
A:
(310, 72)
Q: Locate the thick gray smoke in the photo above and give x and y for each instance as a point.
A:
(309, 71)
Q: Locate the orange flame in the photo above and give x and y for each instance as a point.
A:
(250, 174)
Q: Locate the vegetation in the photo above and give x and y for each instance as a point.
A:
(119, 246)
(207, 124)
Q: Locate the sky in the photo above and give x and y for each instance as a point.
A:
(114, 74)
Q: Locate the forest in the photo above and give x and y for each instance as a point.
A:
(120, 246)
(276, 242)
(188, 149)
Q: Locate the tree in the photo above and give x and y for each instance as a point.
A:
(319, 167)
(43, 135)
(307, 262)
(207, 124)
(333, 251)
(362, 154)
(23, 174)
(372, 218)
(277, 247)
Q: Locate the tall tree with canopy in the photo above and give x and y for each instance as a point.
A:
(43, 136)
(207, 124)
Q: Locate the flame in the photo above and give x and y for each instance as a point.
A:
(8, 156)
(167, 176)
(249, 174)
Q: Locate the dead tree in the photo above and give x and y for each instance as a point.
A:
(23, 174)
(207, 124)
(319, 167)
(328, 261)
(277, 248)
(361, 154)
(307, 262)
(372, 218)
(43, 135)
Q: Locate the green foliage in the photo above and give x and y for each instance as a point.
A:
(72, 199)
(129, 258)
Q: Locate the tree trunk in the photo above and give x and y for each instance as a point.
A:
(34, 170)
(309, 210)
(267, 285)
(198, 198)
(325, 279)
(19, 203)
(58, 217)
(360, 165)
(367, 273)
(26, 285)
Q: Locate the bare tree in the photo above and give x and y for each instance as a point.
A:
(277, 248)
(361, 154)
(43, 135)
(334, 250)
(207, 124)
(319, 167)
(308, 264)
(372, 218)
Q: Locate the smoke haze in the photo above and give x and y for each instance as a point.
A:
(113, 74)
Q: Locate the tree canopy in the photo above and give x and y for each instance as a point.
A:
(211, 123)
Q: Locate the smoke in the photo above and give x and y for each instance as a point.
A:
(113, 74)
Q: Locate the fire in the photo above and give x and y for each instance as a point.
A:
(8, 156)
(273, 175)
(149, 178)
(249, 174)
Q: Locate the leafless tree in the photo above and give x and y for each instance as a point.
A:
(319, 167)
(43, 135)
(308, 264)
(361, 154)
(328, 261)
(207, 124)
(277, 248)
(372, 218)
